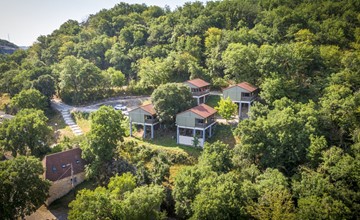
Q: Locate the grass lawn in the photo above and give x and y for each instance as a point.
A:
(224, 133)
(59, 127)
(213, 100)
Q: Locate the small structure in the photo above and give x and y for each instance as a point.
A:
(65, 170)
(199, 89)
(244, 94)
(144, 115)
(195, 124)
(4, 117)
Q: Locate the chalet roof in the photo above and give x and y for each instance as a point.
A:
(202, 110)
(198, 82)
(245, 85)
(56, 165)
(149, 108)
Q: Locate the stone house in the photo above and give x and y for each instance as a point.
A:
(65, 170)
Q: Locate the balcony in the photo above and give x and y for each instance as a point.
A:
(248, 98)
(205, 124)
(151, 120)
(200, 93)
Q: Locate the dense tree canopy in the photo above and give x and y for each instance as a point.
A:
(26, 134)
(171, 99)
(22, 189)
(106, 131)
(296, 157)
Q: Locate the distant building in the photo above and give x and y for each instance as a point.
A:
(65, 170)
(194, 123)
(243, 94)
(4, 117)
(199, 89)
(144, 115)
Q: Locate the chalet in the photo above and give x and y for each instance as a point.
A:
(244, 94)
(194, 123)
(65, 170)
(199, 89)
(144, 115)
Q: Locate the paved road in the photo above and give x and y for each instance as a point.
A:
(65, 110)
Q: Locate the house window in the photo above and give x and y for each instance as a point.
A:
(63, 165)
(77, 161)
(246, 94)
(54, 169)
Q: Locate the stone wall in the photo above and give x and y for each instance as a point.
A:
(61, 187)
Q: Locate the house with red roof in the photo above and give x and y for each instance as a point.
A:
(199, 88)
(65, 170)
(144, 115)
(243, 94)
(195, 123)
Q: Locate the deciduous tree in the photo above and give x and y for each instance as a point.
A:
(22, 190)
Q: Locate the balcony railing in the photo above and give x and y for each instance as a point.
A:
(248, 98)
(204, 125)
(200, 92)
(151, 121)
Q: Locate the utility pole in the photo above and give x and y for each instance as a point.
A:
(72, 176)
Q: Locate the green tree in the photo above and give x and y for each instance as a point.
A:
(217, 156)
(226, 108)
(22, 189)
(120, 200)
(115, 77)
(106, 131)
(185, 190)
(46, 85)
(79, 79)
(171, 99)
(219, 198)
(273, 200)
(30, 98)
(26, 133)
(279, 138)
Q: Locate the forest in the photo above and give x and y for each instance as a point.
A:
(298, 154)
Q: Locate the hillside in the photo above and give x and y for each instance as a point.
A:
(296, 157)
(7, 47)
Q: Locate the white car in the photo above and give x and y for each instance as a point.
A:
(120, 107)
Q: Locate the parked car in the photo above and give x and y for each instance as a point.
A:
(120, 107)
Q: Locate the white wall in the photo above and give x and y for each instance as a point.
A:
(186, 140)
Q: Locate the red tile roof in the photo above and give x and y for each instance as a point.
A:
(247, 86)
(203, 110)
(56, 165)
(149, 108)
(198, 82)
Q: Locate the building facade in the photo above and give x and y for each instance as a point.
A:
(195, 125)
(199, 89)
(144, 115)
(65, 170)
(243, 94)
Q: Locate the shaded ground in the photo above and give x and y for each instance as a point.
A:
(59, 208)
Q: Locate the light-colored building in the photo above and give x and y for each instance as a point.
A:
(144, 115)
(199, 89)
(65, 170)
(4, 117)
(195, 123)
(244, 94)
